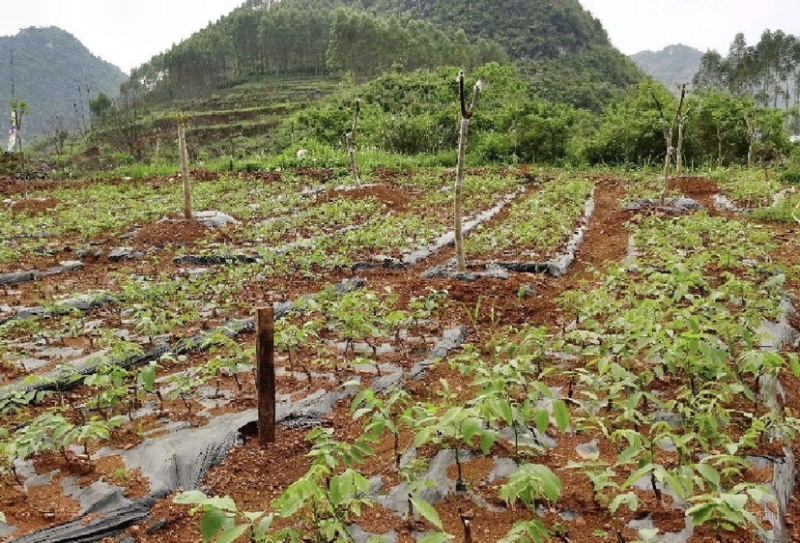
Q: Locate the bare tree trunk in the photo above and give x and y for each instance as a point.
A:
(466, 115)
(669, 135)
(681, 139)
(751, 136)
(459, 194)
(351, 145)
(187, 187)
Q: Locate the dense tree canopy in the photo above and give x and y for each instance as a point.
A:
(769, 71)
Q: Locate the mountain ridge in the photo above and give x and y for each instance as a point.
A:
(556, 42)
(49, 67)
(672, 65)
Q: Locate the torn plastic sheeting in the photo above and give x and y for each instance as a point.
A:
(784, 473)
(184, 458)
(449, 238)
(671, 206)
(57, 380)
(215, 260)
(63, 308)
(557, 267)
(449, 271)
(79, 532)
(22, 277)
(239, 260)
(723, 203)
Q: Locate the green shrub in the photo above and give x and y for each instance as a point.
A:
(791, 176)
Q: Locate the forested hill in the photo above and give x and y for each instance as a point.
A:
(56, 75)
(555, 42)
(672, 65)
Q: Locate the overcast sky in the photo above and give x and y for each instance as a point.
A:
(636, 25)
(129, 32)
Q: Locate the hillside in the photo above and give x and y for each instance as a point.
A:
(556, 43)
(49, 67)
(671, 66)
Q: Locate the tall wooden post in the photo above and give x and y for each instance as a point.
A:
(265, 374)
(187, 187)
(351, 144)
(466, 115)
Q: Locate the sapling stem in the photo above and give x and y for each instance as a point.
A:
(466, 521)
(466, 115)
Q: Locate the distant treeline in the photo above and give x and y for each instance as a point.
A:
(769, 71)
(297, 41)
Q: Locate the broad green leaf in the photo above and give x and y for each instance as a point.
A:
(542, 420)
(470, 428)
(428, 511)
(629, 499)
(224, 504)
(252, 516)
(231, 534)
(794, 364)
(213, 522)
(701, 514)
(191, 497)
(648, 533)
(710, 474)
(734, 501)
(561, 413)
(488, 437)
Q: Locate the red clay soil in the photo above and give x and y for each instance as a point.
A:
(393, 198)
(700, 189)
(175, 232)
(255, 477)
(320, 175)
(34, 207)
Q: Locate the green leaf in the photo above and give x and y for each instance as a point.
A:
(710, 474)
(629, 499)
(230, 535)
(561, 413)
(794, 364)
(736, 502)
(701, 513)
(191, 497)
(224, 504)
(648, 533)
(470, 428)
(213, 521)
(542, 420)
(428, 511)
(253, 516)
(488, 437)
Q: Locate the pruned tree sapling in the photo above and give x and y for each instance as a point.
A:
(669, 135)
(466, 115)
(187, 187)
(351, 144)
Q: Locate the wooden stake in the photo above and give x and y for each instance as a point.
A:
(466, 115)
(187, 187)
(351, 144)
(265, 376)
